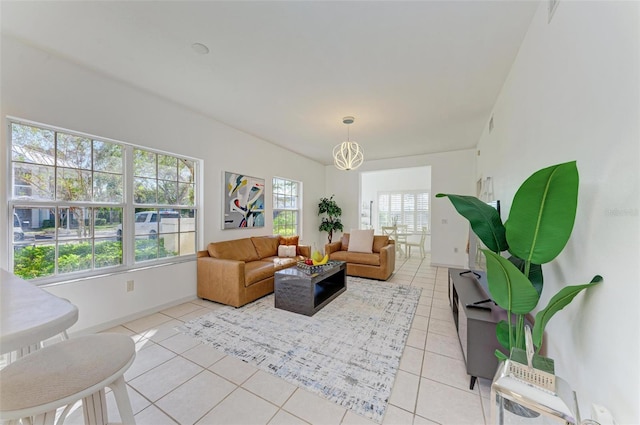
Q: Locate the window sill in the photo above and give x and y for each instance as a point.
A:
(63, 280)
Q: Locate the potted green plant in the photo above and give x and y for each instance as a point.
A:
(540, 222)
(333, 212)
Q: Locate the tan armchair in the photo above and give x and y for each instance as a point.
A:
(379, 264)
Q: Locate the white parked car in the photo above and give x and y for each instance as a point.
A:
(147, 222)
(18, 233)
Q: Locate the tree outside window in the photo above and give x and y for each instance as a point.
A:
(286, 206)
(67, 200)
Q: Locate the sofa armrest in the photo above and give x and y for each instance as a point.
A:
(305, 250)
(220, 280)
(332, 247)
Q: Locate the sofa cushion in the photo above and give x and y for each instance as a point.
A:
(280, 263)
(266, 246)
(361, 241)
(256, 271)
(238, 249)
(380, 242)
(287, 251)
(291, 240)
(363, 258)
(338, 255)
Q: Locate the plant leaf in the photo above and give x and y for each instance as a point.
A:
(502, 333)
(509, 287)
(557, 303)
(500, 355)
(543, 213)
(535, 272)
(484, 219)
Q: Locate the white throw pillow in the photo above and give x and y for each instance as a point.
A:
(286, 251)
(361, 241)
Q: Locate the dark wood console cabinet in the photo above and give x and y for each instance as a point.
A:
(475, 323)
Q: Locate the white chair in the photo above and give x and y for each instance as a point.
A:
(35, 386)
(409, 243)
(402, 237)
(392, 232)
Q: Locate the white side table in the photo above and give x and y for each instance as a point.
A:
(30, 315)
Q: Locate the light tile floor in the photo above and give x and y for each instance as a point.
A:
(176, 379)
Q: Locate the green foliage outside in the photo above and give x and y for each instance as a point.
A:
(35, 261)
(284, 223)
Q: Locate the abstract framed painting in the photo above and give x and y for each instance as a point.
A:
(243, 201)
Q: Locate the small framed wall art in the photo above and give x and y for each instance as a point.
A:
(243, 201)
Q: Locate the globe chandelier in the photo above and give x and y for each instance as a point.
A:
(347, 155)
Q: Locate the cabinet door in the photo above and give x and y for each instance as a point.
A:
(462, 329)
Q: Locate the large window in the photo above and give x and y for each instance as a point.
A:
(286, 207)
(79, 207)
(409, 208)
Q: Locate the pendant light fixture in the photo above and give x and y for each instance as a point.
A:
(347, 155)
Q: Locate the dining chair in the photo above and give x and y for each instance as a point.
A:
(391, 231)
(420, 244)
(403, 232)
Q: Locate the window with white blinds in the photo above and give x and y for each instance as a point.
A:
(410, 208)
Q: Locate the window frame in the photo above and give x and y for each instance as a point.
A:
(298, 209)
(127, 204)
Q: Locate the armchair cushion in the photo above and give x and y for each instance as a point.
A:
(361, 241)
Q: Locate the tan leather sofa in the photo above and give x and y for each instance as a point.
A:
(380, 264)
(239, 271)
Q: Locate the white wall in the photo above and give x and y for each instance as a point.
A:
(573, 94)
(451, 172)
(44, 88)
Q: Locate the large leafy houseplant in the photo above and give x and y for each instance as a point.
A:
(540, 222)
(331, 222)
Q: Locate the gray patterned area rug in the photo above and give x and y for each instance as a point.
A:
(348, 352)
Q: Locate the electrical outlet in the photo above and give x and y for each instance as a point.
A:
(129, 285)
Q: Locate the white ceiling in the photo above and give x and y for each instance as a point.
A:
(419, 77)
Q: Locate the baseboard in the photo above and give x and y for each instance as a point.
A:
(124, 319)
(448, 266)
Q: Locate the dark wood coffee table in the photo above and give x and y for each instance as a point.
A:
(300, 292)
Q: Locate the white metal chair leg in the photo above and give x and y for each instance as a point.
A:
(119, 388)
